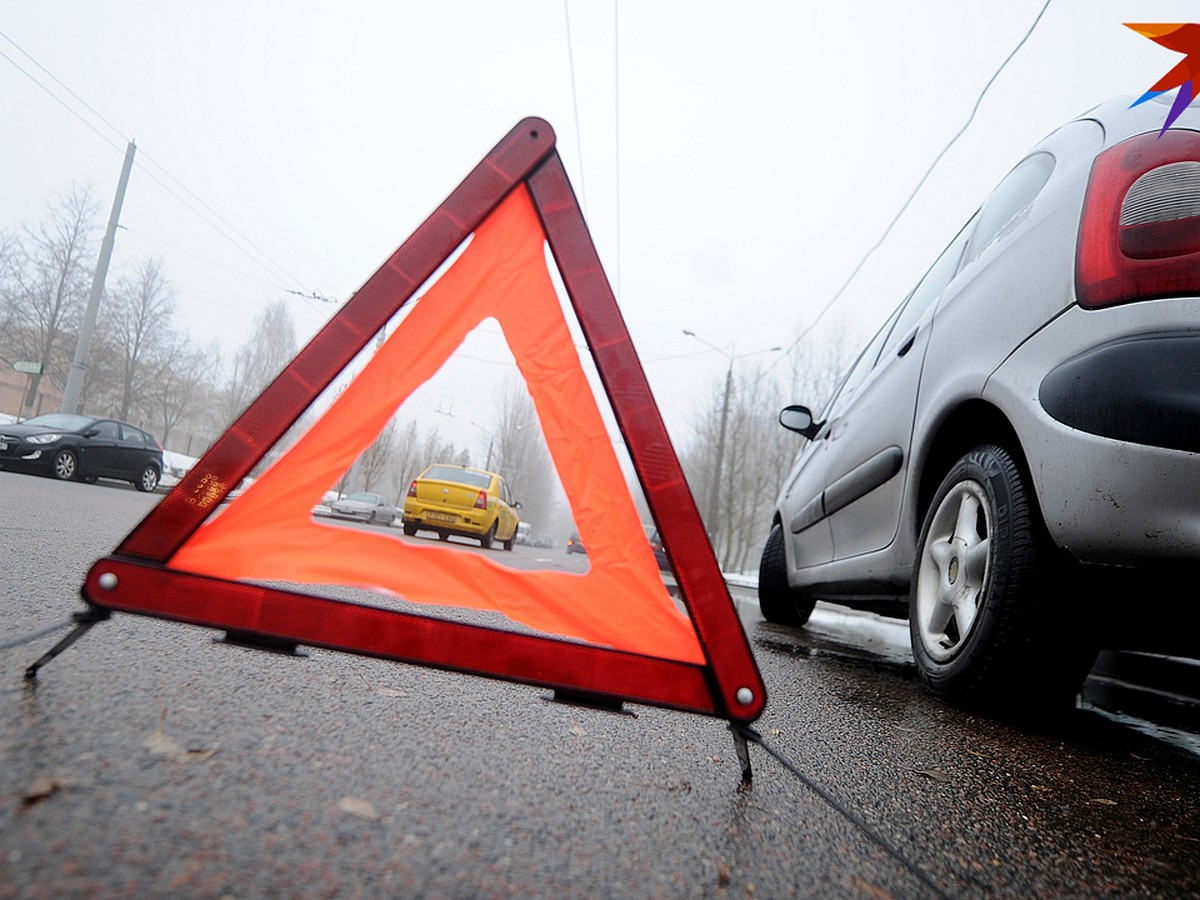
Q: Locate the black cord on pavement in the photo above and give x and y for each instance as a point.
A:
(845, 812)
(30, 638)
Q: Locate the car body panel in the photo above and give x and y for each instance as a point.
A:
(1155, 491)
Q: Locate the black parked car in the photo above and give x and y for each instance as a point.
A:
(82, 448)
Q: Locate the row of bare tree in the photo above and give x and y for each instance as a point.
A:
(145, 370)
(141, 367)
(758, 452)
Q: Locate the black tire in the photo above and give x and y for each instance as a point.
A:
(443, 535)
(990, 623)
(486, 541)
(147, 480)
(410, 528)
(508, 545)
(779, 602)
(65, 465)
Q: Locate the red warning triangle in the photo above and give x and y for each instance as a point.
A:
(612, 632)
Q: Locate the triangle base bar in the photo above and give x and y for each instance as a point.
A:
(122, 585)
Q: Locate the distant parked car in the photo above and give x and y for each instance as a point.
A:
(366, 507)
(325, 507)
(82, 448)
(1024, 429)
(656, 544)
(449, 499)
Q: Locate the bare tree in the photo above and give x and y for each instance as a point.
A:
(178, 385)
(757, 451)
(48, 282)
(270, 347)
(377, 463)
(140, 316)
(519, 450)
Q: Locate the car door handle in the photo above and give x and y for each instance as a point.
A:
(907, 343)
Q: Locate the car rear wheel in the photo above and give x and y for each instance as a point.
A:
(990, 622)
(148, 480)
(486, 541)
(779, 602)
(410, 528)
(65, 465)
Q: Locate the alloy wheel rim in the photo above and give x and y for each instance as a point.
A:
(954, 569)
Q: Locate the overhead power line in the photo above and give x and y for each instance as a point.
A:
(896, 218)
(243, 243)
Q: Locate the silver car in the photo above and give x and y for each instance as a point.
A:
(366, 507)
(1019, 444)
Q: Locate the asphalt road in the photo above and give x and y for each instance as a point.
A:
(150, 761)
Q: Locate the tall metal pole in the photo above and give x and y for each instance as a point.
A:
(79, 363)
(716, 488)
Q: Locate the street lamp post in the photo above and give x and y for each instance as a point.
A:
(715, 493)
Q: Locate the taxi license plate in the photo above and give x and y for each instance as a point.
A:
(440, 518)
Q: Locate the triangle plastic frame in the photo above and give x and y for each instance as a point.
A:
(135, 578)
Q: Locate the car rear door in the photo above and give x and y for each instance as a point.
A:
(100, 449)
(133, 452)
(507, 523)
(870, 434)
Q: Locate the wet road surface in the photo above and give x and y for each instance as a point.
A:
(150, 761)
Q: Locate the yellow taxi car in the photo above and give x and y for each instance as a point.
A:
(450, 499)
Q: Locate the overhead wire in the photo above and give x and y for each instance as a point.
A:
(259, 256)
(575, 103)
(904, 207)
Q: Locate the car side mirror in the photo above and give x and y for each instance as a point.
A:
(516, 504)
(800, 420)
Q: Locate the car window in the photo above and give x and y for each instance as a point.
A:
(1012, 196)
(940, 274)
(108, 430)
(859, 370)
(480, 480)
(131, 435)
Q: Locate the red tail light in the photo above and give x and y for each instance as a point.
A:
(412, 489)
(1139, 236)
(481, 501)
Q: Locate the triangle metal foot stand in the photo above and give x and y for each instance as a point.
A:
(83, 623)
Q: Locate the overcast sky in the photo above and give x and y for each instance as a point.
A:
(735, 161)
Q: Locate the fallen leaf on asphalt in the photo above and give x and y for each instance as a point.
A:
(935, 774)
(578, 731)
(356, 806)
(167, 747)
(39, 790)
(390, 692)
(1103, 802)
(980, 755)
